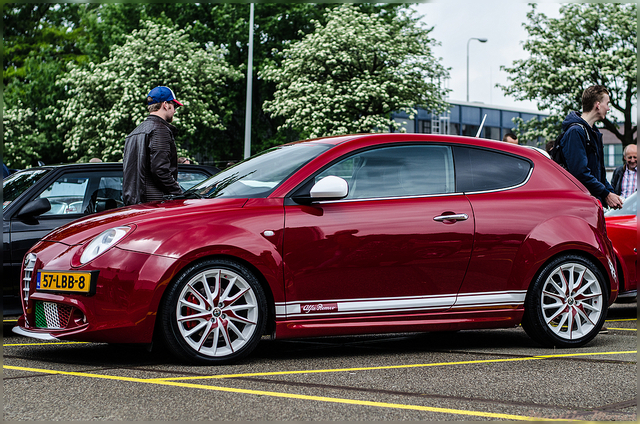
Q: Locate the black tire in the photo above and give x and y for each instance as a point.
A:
(567, 303)
(218, 325)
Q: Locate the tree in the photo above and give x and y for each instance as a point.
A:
(352, 72)
(591, 43)
(106, 101)
(39, 40)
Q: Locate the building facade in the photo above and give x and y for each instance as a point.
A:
(465, 118)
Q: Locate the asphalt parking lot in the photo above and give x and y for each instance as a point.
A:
(492, 375)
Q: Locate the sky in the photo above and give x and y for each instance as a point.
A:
(500, 22)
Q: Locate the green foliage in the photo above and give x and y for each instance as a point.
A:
(108, 100)
(352, 72)
(39, 40)
(591, 43)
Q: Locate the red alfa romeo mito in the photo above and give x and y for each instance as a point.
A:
(345, 235)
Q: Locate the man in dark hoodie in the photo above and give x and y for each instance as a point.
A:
(582, 146)
(150, 158)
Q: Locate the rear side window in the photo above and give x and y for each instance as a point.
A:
(483, 170)
(397, 171)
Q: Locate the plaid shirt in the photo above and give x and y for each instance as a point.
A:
(629, 182)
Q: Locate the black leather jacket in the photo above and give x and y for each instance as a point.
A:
(150, 162)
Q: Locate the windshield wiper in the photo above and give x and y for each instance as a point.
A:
(185, 195)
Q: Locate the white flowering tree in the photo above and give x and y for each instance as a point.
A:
(106, 101)
(590, 43)
(349, 75)
(23, 142)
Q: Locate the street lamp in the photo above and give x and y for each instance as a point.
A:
(482, 40)
(247, 119)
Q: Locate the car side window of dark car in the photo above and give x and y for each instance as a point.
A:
(66, 194)
(397, 171)
(485, 170)
(188, 179)
(84, 193)
(107, 194)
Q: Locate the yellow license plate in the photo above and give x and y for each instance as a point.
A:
(67, 281)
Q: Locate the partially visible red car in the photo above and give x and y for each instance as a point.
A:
(356, 234)
(622, 229)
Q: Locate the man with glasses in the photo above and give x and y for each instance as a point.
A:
(150, 156)
(625, 177)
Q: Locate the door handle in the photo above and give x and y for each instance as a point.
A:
(453, 217)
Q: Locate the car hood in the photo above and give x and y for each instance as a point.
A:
(630, 221)
(85, 229)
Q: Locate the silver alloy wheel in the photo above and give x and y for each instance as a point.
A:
(571, 301)
(217, 312)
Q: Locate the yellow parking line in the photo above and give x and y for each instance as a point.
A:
(622, 319)
(41, 344)
(623, 329)
(296, 396)
(389, 367)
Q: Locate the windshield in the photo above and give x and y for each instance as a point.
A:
(16, 184)
(259, 175)
(629, 207)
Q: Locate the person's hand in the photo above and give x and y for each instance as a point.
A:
(614, 201)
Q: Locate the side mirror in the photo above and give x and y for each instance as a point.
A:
(35, 208)
(330, 188)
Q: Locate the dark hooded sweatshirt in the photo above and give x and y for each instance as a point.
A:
(585, 158)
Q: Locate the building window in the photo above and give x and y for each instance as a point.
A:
(454, 128)
(407, 124)
(425, 127)
(470, 130)
(492, 133)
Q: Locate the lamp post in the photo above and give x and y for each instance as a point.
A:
(482, 40)
(247, 120)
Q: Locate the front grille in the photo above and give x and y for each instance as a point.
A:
(52, 315)
(29, 264)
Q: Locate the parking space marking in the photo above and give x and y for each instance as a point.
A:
(623, 329)
(389, 367)
(41, 344)
(295, 396)
(622, 319)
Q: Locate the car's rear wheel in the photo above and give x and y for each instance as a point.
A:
(567, 304)
(214, 313)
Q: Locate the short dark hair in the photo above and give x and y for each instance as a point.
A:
(591, 95)
(509, 135)
(154, 107)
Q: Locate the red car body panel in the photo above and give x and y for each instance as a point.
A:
(342, 267)
(623, 233)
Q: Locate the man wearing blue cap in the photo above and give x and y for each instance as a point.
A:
(150, 156)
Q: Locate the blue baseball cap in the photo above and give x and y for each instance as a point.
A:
(162, 94)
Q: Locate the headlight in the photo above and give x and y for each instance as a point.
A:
(103, 242)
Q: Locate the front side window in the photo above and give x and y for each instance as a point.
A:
(66, 194)
(483, 170)
(84, 193)
(397, 171)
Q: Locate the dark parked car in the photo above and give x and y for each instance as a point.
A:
(37, 200)
(344, 235)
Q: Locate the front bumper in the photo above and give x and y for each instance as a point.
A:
(122, 309)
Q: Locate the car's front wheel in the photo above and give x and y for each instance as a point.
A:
(567, 304)
(214, 313)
